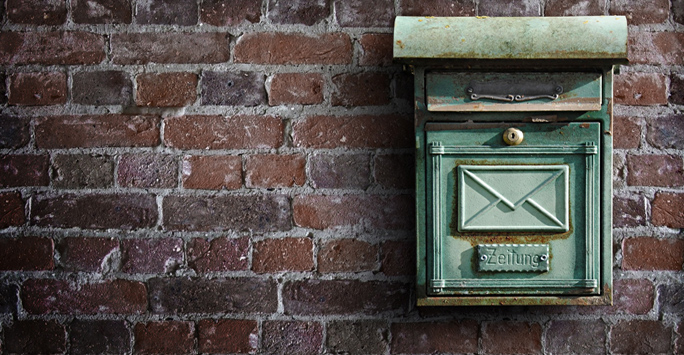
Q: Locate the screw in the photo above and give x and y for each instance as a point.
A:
(483, 257)
(543, 257)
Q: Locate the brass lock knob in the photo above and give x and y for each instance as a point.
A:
(513, 136)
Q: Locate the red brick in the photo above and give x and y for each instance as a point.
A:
(166, 89)
(455, 337)
(271, 171)
(24, 170)
(655, 170)
(652, 254)
(357, 337)
(352, 132)
(26, 253)
(629, 212)
(321, 212)
(102, 11)
(292, 337)
(212, 172)
(143, 48)
(314, 297)
(168, 337)
(102, 88)
(508, 337)
(641, 12)
(640, 89)
(218, 254)
(148, 170)
(99, 336)
(348, 171)
(364, 89)
(86, 254)
(227, 336)
(574, 8)
(51, 48)
(296, 88)
(73, 171)
(167, 12)
(94, 211)
(667, 209)
(666, 132)
(293, 48)
(287, 254)
(576, 337)
(14, 131)
(347, 255)
(376, 49)
(626, 133)
(398, 258)
(34, 337)
(36, 89)
(218, 132)
(230, 12)
(37, 12)
(97, 131)
(12, 212)
(233, 88)
(509, 8)
(664, 48)
(45, 296)
(640, 337)
(261, 213)
(357, 13)
(437, 8)
(148, 256)
(395, 171)
(633, 296)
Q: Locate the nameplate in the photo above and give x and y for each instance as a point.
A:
(513, 257)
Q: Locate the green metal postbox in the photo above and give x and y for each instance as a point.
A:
(513, 133)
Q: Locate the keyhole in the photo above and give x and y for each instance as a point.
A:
(513, 136)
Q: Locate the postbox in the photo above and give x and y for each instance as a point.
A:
(513, 139)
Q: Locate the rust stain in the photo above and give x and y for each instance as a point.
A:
(584, 125)
(400, 44)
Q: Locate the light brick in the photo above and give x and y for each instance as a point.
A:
(292, 337)
(219, 254)
(233, 88)
(144, 48)
(512, 8)
(37, 89)
(666, 132)
(293, 48)
(357, 13)
(296, 88)
(574, 8)
(348, 171)
(101, 11)
(659, 48)
(218, 132)
(166, 89)
(347, 255)
(227, 336)
(640, 89)
(321, 212)
(576, 337)
(167, 12)
(230, 12)
(82, 171)
(51, 48)
(511, 337)
(667, 209)
(97, 131)
(304, 12)
(273, 171)
(287, 254)
(437, 8)
(352, 132)
(148, 170)
(86, 253)
(655, 170)
(626, 133)
(629, 212)
(644, 253)
(149, 256)
(641, 12)
(212, 172)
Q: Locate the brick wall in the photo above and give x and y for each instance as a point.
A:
(219, 176)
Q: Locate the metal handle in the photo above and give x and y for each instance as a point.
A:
(513, 91)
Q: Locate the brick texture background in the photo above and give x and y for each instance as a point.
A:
(235, 176)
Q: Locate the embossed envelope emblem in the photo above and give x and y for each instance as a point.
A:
(513, 198)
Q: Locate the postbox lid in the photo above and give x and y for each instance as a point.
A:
(589, 38)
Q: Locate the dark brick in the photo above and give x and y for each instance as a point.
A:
(34, 337)
(227, 336)
(395, 171)
(94, 211)
(349, 171)
(437, 8)
(508, 337)
(655, 170)
(24, 170)
(678, 11)
(218, 132)
(26, 253)
(671, 298)
(509, 8)
(143, 48)
(352, 132)
(51, 48)
(12, 211)
(667, 209)
(148, 256)
(576, 337)
(633, 296)
(230, 12)
(3, 90)
(148, 170)
(454, 337)
(574, 8)
(645, 253)
(45, 296)
(292, 337)
(660, 48)
(37, 12)
(36, 89)
(102, 88)
(666, 132)
(167, 12)
(8, 298)
(398, 258)
(629, 212)
(640, 337)
(286, 254)
(321, 212)
(97, 131)
(626, 133)
(166, 89)
(296, 88)
(316, 297)
(218, 254)
(86, 253)
(212, 172)
(641, 12)
(677, 87)
(347, 255)
(14, 132)
(99, 336)
(237, 295)
(364, 89)
(102, 11)
(293, 48)
(357, 337)
(357, 13)
(170, 337)
(82, 171)
(304, 12)
(376, 49)
(403, 87)
(679, 343)
(231, 212)
(233, 88)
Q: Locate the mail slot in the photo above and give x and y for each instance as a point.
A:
(513, 132)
